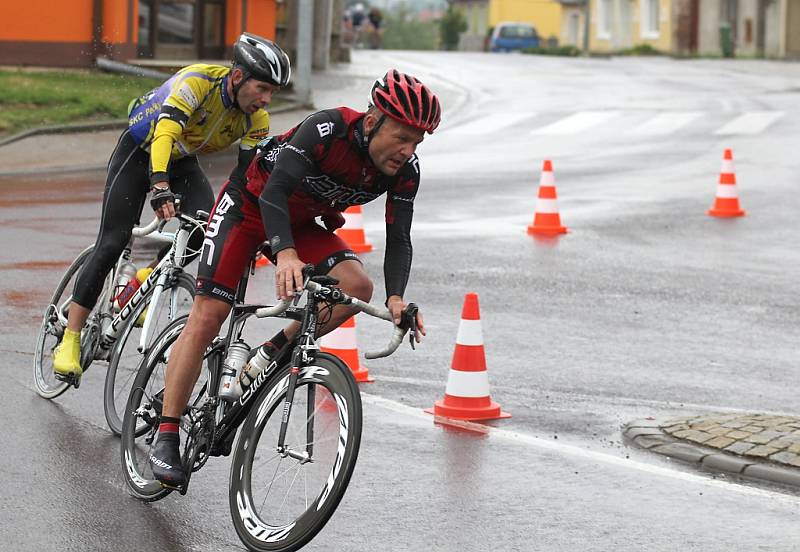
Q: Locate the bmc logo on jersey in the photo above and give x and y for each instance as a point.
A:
(324, 129)
(222, 207)
(325, 187)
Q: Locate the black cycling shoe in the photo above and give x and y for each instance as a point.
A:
(165, 460)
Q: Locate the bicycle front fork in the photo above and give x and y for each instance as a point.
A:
(300, 357)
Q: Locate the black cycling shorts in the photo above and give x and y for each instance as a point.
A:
(235, 232)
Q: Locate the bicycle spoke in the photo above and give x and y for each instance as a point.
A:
(270, 484)
(266, 462)
(287, 470)
(291, 485)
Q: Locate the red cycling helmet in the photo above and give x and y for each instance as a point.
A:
(405, 99)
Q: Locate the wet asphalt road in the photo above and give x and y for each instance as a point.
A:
(648, 307)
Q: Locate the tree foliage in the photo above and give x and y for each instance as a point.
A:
(451, 25)
(403, 31)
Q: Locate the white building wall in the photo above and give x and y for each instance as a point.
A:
(747, 31)
(773, 30)
(708, 32)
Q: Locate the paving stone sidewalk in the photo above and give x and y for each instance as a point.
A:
(759, 446)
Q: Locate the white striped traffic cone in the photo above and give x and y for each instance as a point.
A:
(353, 230)
(726, 204)
(546, 220)
(467, 394)
(342, 343)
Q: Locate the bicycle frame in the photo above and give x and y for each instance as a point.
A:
(231, 415)
(156, 281)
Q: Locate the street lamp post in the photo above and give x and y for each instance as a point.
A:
(305, 25)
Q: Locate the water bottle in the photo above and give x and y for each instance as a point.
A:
(258, 363)
(127, 284)
(237, 356)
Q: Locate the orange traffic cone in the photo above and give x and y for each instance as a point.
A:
(726, 203)
(261, 260)
(467, 394)
(342, 343)
(353, 230)
(546, 220)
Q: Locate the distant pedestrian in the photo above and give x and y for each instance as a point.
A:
(376, 32)
(358, 16)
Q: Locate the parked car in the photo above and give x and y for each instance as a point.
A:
(509, 36)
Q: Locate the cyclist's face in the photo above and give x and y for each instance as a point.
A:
(393, 145)
(255, 94)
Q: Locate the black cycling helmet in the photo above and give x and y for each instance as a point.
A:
(261, 59)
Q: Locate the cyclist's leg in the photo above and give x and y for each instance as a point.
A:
(331, 255)
(355, 282)
(233, 234)
(126, 188)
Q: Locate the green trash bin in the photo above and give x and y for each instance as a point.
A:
(726, 39)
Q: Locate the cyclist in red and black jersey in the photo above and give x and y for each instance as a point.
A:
(332, 160)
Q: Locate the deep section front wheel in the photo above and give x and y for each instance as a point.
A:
(280, 499)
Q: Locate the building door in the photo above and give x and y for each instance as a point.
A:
(176, 29)
(624, 25)
(212, 23)
(730, 15)
(573, 28)
(182, 29)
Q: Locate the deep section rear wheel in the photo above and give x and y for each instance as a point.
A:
(279, 501)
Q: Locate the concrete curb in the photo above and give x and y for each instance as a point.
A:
(647, 434)
(105, 125)
(65, 129)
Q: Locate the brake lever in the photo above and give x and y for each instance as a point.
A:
(408, 322)
(308, 272)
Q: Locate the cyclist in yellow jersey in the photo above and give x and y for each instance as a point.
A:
(200, 109)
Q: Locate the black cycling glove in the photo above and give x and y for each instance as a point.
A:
(160, 196)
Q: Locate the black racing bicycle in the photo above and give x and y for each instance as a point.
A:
(300, 420)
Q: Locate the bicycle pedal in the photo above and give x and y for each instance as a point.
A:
(180, 488)
(69, 379)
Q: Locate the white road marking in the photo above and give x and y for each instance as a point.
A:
(490, 124)
(667, 123)
(577, 122)
(628, 401)
(586, 454)
(755, 122)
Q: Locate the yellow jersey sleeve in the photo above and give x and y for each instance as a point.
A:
(187, 94)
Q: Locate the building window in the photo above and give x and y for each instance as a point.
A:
(604, 19)
(650, 18)
(176, 22)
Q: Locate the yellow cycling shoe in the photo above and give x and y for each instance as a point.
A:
(140, 321)
(67, 356)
